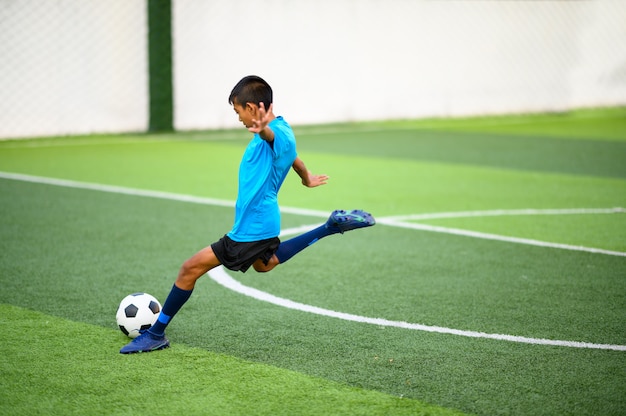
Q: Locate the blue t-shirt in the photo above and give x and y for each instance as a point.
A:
(262, 171)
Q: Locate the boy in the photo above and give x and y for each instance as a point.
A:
(253, 240)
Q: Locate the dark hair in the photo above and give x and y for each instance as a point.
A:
(251, 89)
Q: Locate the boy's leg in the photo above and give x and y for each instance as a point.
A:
(339, 221)
(189, 273)
(261, 267)
(194, 268)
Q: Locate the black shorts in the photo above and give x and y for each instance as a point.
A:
(240, 256)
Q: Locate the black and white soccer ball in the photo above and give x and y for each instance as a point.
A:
(137, 313)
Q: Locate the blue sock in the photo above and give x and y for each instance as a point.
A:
(175, 300)
(288, 249)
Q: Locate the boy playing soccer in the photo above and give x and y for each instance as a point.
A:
(253, 240)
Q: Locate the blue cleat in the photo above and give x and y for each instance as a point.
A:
(145, 342)
(341, 221)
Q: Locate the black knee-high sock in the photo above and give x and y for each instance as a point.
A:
(175, 300)
(288, 249)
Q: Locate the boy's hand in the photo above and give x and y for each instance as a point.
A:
(311, 181)
(264, 118)
(308, 179)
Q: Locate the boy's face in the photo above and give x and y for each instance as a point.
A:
(246, 113)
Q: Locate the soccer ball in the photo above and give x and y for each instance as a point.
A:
(136, 313)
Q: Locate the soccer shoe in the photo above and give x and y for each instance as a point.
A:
(341, 221)
(145, 342)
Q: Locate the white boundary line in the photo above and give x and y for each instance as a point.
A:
(487, 236)
(221, 277)
(503, 212)
(395, 221)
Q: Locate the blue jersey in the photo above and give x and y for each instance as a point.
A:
(262, 171)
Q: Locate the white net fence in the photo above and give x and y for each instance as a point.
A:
(74, 67)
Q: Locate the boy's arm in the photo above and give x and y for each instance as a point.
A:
(308, 179)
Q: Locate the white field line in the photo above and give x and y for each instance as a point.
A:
(35, 143)
(116, 189)
(395, 221)
(220, 276)
(302, 130)
(503, 212)
(487, 236)
(143, 192)
(28, 143)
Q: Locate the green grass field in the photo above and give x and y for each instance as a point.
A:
(497, 272)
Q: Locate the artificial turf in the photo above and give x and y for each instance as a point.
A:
(69, 255)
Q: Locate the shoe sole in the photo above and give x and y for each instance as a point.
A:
(161, 347)
(352, 223)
